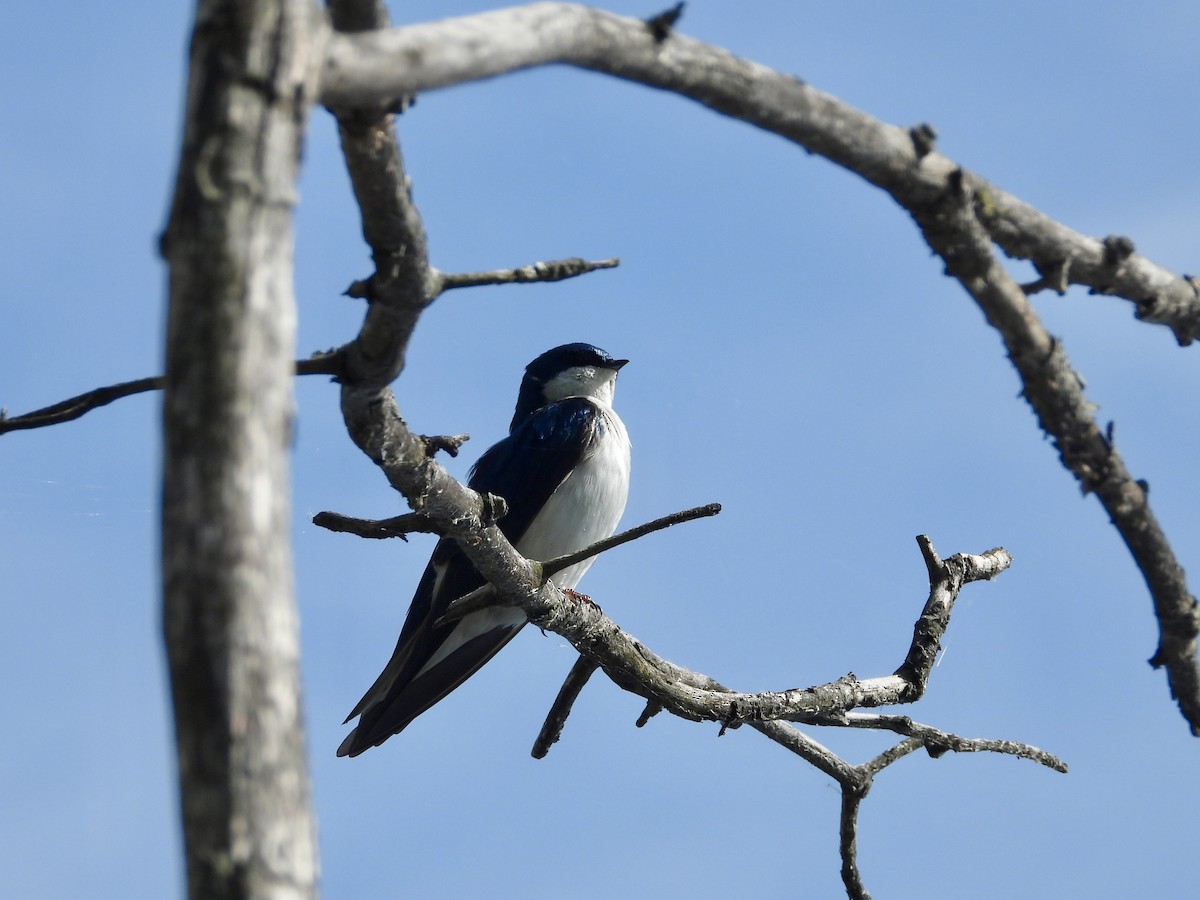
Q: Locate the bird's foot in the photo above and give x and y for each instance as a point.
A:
(581, 598)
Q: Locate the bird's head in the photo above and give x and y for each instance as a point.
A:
(572, 370)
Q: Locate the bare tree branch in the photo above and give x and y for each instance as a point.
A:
(953, 229)
(848, 831)
(448, 443)
(634, 667)
(554, 270)
(383, 66)
(584, 667)
(946, 578)
(649, 711)
(552, 728)
(74, 407)
(808, 749)
(892, 754)
(938, 742)
(550, 566)
(538, 272)
(396, 526)
(404, 282)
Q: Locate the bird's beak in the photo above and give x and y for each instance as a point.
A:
(616, 364)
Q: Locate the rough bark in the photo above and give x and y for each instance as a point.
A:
(229, 614)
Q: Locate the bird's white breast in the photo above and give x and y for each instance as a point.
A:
(587, 505)
(584, 509)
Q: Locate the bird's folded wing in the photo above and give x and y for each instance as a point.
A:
(430, 660)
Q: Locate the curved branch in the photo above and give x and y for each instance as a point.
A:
(634, 667)
(381, 67)
(953, 227)
(74, 407)
(404, 282)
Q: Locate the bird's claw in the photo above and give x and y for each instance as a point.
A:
(581, 598)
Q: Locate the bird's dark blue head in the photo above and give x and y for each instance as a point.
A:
(571, 370)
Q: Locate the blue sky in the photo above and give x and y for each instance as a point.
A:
(796, 355)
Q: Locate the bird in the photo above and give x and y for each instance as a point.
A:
(563, 471)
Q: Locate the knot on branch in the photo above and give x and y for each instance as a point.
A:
(450, 443)
(956, 184)
(361, 289)
(732, 719)
(924, 139)
(660, 25)
(1054, 276)
(1117, 249)
(951, 222)
(492, 508)
(364, 123)
(652, 709)
(840, 695)
(1184, 627)
(935, 747)
(1092, 458)
(1181, 314)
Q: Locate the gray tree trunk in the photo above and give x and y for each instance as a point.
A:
(229, 614)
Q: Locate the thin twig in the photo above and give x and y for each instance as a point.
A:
(561, 709)
(74, 407)
(807, 748)
(485, 596)
(938, 742)
(852, 797)
(890, 755)
(551, 566)
(553, 270)
(946, 578)
(396, 526)
(449, 443)
(652, 709)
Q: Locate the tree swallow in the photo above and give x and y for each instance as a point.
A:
(564, 472)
